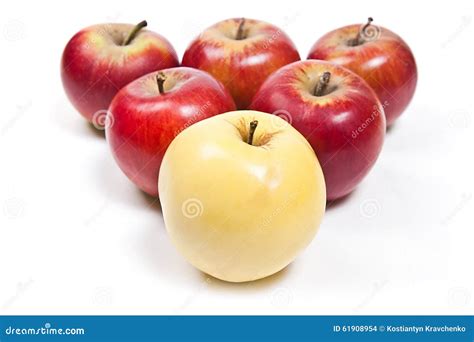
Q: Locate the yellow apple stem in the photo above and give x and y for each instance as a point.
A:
(240, 31)
(359, 40)
(160, 79)
(253, 127)
(134, 32)
(322, 84)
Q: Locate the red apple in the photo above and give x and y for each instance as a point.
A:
(146, 115)
(101, 59)
(241, 53)
(336, 111)
(379, 56)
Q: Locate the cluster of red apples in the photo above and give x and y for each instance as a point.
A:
(357, 80)
(242, 142)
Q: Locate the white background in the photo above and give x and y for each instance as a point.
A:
(76, 237)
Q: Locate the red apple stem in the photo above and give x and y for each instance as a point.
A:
(240, 31)
(322, 84)
(253, 127)
(135, 31)
(160, 79)
(360, 39)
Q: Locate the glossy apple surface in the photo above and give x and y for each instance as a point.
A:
(344, 123)
(143, 120)
(241, 53)
(379, 56)
(236, 210)
(97, 63)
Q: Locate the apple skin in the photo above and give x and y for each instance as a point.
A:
(241, 65)
(241, 212)
(94, 66)
(143, 122)
(385, 61)
(346, 127)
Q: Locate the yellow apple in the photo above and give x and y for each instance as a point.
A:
(242, 194)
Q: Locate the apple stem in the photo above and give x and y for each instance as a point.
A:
(322, 84)
(240, 31)
(160, 79)
(134, 32)
(360, 39)
(253, 127)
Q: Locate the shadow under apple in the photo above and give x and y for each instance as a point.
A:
(248, 286)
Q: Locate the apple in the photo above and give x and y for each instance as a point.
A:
(379, 56)
(242, 193)
(337, 112)
(101, 59)
(149, 112)
(241, 53)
